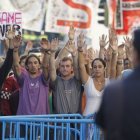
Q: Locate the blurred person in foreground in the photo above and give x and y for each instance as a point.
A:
(119, 113)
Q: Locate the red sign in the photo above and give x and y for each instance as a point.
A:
(126, 15)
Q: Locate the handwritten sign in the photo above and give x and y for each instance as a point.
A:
(7, 19)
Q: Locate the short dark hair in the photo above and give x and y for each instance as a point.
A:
(136, 40)
(101, 60)
(29, 56)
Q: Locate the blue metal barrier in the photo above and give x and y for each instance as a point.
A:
(92, 131)
(46, 127)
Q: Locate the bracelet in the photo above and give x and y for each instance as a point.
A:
(80, 49)
(114, 52)
(48, 52)
(120, 62)
(47, 66)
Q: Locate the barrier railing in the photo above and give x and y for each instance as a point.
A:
(47, 127)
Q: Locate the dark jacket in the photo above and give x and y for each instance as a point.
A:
(119, 113)
(6, 67)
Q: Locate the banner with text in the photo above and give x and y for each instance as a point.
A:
(83, 15)
(8, 19)
(63, 13)
(126, 15)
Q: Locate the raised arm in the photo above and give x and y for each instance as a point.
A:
(120, 64)
(109, 51)
(70, 47)
(83, 73)
(114, 46)
(129, 50)
(28, 47)
(103, 42)
(7, 65)
(63, 52)
(108, 61)
(53, 48)
(46, 58)
(16, 59)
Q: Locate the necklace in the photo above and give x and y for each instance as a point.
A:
(99, 82)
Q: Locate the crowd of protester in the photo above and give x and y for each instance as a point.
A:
(72, 80)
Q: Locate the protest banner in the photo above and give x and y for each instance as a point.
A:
(63, 13)
(83, 15)
(33, 12)
(126, 15)
(8, 19)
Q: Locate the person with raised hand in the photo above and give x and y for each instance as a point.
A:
(119, 114)
(66, 88)
(7, 65)
(93, 85)
(33, 96)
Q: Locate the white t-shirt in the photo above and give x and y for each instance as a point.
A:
(93, 97)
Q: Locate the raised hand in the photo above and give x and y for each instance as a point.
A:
(10, 34)
(17, 42)
(113, 39)
(91, 54)
(71, 33)
(127, 42)
(70, 47)
(44, 44)
(86, 55)
(54, 45)
(121, 51)
(112, 32)
(128, 47)
(103, 41)
(81, 41)
(29, 45)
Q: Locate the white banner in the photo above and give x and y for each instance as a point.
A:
(7, 19)
(33, 12)
(82, 14)
(63, 13)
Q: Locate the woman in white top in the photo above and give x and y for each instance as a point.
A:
(94, 86)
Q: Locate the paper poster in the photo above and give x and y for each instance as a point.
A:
(7, 19)
(126, 15)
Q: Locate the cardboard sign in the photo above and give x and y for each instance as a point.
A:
(7, 19)
(127, 15)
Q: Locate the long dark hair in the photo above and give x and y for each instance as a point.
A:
(101, 60)
(28, 57)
